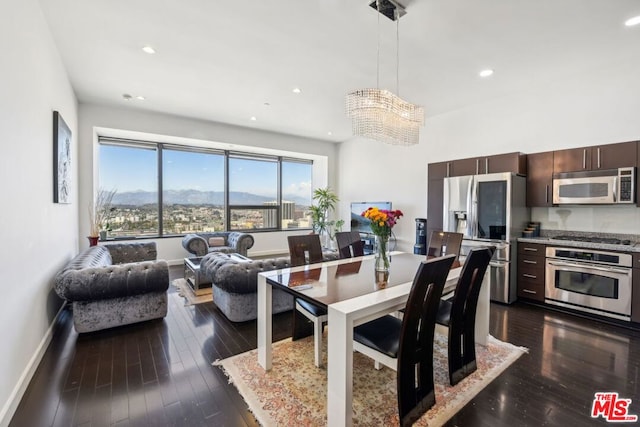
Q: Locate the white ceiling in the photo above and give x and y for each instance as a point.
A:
(222, 61)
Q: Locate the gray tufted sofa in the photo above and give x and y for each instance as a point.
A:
(113, 285)
(234, 242)
(235, 284)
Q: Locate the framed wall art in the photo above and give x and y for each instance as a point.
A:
(61, 160)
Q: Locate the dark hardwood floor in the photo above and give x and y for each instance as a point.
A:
(159, 373)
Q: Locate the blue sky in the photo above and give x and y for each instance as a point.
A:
(126, 169)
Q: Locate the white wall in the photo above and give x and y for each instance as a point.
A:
(38, 236)
(599, 106)
(166, 128)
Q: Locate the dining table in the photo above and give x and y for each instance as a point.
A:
(348, 290)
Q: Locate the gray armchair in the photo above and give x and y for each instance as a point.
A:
(114, 285)
(234, 242)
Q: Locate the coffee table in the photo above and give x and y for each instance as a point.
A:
(199, 284)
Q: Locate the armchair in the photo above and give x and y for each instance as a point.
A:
(234, 242)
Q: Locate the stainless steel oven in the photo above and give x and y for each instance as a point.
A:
(593, 281)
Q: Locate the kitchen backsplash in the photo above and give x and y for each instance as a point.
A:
(599, 219)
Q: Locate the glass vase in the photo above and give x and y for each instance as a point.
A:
(382, 261)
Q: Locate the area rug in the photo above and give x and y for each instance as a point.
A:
(185, 291)
(294, 391)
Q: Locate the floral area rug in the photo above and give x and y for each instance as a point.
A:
(294, 392)
(185, 291)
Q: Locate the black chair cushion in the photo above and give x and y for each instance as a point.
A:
(444, 313)
(381, 334)
(312, 308)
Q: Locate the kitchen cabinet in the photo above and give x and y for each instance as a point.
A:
(539, 179)
(509, 162)
(635, 289)
(435, 200)
(609, 156)
(531, 258)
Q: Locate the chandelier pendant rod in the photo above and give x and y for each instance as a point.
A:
(378, 50)
(397, 13)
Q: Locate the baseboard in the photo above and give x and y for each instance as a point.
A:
(15, 397)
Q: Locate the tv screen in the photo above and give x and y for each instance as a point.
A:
(360, 223)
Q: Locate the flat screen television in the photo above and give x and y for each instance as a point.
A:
(360, 223)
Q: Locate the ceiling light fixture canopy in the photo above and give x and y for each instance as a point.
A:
(380, 114)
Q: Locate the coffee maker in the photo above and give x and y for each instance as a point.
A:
(420, 248)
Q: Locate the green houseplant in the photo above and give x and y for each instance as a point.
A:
(325, 204)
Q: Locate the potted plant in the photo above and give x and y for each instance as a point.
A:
(99, 214)
(326, 201)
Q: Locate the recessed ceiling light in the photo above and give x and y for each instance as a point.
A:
(140, 97)
(486, 73)
(296, 90)
(127, 96)
(632, 21)
(329, 133)
(253, 118)
(149, 50)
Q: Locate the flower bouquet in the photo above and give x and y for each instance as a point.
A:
(382, 222)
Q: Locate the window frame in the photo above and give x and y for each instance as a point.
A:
(159, 147)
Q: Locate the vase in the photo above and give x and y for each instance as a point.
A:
(93, 240)
(382, 261)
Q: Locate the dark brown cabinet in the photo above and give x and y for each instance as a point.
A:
(635, 289)
(510, 162)
(539, 179)
(531, 259)
(610, 156)
(437, 173)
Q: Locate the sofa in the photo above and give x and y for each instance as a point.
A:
(235, 284)
(201, 244)
(114, 285)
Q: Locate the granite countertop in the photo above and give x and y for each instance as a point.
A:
(549, 240)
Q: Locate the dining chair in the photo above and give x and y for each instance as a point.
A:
(306, 249)
(459, 314)
(406, 345)
(349, 244)
(444, 243)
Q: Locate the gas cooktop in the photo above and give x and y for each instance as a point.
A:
(594, 239)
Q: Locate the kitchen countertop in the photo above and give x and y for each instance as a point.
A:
(633, 247)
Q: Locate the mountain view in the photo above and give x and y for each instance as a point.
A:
(195, 197)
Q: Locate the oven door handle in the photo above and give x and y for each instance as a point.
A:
(589, 266)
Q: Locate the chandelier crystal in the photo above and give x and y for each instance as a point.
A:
(383, 116)
(378, 113)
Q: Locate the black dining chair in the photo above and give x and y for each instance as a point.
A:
(406, 345)
(459, 314)
(349, 244)
(306, 249)
(444, 243)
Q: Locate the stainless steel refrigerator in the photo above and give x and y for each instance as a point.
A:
(490, 210)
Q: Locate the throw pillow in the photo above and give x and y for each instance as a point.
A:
(216, 241)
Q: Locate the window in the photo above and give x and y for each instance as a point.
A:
(296, 194)
(192, 191)
(253, 193)
(201, 189)
(133, 172)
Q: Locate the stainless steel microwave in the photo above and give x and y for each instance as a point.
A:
(610, 186)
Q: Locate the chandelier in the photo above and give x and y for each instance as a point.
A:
(378, 113)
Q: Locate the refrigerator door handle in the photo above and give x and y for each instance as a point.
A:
(472, 202)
